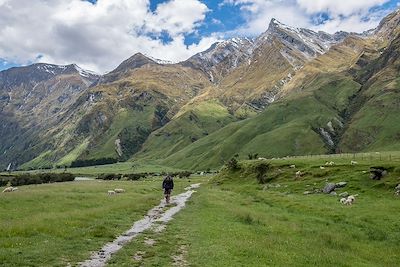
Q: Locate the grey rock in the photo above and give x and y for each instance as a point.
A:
(329, 187)
(341, 184)
(333, 193)
(344, 194)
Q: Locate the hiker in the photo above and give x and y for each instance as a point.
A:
(168, 185)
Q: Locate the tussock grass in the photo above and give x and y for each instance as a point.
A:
(57, 224)
(236, 221)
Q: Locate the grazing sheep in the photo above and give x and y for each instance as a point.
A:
(292, 166)
(298, 174)
(331, 163)
(262, 158)
(111, 192)
(15, 189)
(9, 189)
(322, 168)
(119, 190)
(353, 162)
(397, 193)
(350, 200)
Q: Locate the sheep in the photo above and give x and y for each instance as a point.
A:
(292, 166)
(262, 158)
(353, 162)
(111, 192)
(331, 163)
(9, 189)
(298, 174)
(322, 168)
(350, 200)
(119, 190)
(397, 193)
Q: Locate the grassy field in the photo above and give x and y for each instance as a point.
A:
(57, 224)
(232, 219)
(235, 221)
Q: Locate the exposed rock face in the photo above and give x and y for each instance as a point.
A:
(329, 187)
(222, 57)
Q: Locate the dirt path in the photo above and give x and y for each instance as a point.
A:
(155, 215)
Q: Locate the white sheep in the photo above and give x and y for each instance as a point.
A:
(298, 174)
(262, 159)
(331, 163)
(15, 189)
(343, 200)
(292, 166)
(353, 162)
(8, 189)
(350, 200)
(111, 192)
(322, 168)
(397, 193)
(119, 190)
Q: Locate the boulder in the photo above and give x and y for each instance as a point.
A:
(341, 184)
(333, 193)
(329, 187)
(344, 194)
(378, 173)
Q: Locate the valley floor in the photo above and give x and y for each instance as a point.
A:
(231, 220)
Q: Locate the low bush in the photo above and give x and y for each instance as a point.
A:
(261, 171)
(109, 176)
(135, 176)
(93, 162)
(41, 178)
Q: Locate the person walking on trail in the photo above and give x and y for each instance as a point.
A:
(168, 185)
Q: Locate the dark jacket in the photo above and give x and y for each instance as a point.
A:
(168, 183)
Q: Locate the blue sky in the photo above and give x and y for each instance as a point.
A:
(98, 35)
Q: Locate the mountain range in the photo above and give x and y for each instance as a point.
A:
(290, 91)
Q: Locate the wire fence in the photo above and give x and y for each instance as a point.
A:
(368, 156)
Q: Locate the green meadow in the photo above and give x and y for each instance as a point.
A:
(232, 220)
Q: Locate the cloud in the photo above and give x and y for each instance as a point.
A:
(336, 8)
(326, 15)
(98, 36)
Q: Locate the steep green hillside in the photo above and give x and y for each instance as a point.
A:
(193, 122)
(375, 124)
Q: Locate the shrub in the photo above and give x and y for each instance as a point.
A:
(26, 179)
(184, 174)
(109, 176)
(252, 156)
(233, 164)
(135, 176)
(92, 162)
(261, 170)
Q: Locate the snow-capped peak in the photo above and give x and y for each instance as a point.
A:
(159, 61)
(85, 73)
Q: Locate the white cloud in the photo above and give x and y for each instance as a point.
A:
(97, 36)
(341, 7)
(346, 15)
